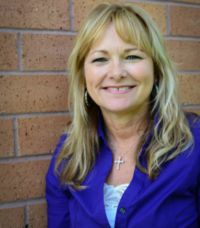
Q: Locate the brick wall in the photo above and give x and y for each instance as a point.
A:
(36, 38)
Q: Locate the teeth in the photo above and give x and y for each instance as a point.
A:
(123, 88)
(115, 89)
(120, 89)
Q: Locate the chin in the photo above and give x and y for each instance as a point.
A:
(118, 109)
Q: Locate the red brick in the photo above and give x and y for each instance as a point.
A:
(8, 51)
(12, 217)
(34, 14)
(185, 21)
(158, 12)
(186, 54)
(40, 134)
(6, 138)
(189, 89)
(33, 94)
(38, 216)
(46, 52)
(23, 180)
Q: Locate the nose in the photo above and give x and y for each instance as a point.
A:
(117, 70)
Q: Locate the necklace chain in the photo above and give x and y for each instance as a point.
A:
(121, 161)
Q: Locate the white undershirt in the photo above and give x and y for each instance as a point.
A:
(112, 196)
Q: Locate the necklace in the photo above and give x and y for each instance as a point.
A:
(119, 162)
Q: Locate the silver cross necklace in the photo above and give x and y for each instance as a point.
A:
(119, 162)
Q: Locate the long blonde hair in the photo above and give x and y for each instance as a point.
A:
(171, 131)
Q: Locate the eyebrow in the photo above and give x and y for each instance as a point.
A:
(105, 52)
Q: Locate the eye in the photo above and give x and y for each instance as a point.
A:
(133, 57)
(102, 59)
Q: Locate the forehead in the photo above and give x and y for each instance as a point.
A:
(110, 39)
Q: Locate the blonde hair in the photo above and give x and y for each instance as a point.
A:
(171, 131)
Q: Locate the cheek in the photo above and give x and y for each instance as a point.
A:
(93, 76)
(88, 75)
(142, 76)
(91, 81)
(144, 72)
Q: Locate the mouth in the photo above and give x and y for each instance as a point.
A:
(119, 89)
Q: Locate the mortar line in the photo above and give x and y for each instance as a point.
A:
(35, 157)
(168, 20)
(36, 72)
(166, 2)
(22, 203)
(20, 52)
(34, 114)
(71, 15)
(26, 216)
(183, 38)
(38, 31)
(191, 106)
(16, 137)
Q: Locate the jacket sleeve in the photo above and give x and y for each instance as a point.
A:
(198, 201)
(56, 197)
(198, 194)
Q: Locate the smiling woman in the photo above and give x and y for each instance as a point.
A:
(119, 77)
(131, 156)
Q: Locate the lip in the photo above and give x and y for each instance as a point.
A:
(122, 89)
(118, 86)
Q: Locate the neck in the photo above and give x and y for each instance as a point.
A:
(126, 127)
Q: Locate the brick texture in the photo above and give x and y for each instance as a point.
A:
(189, 89)
(185, 21)
(46, 52)
(8, 51)
(34, 14)
(6, 138)
(39, 135)
(158, 12)
(186, 54)
(37, 216)
(12, 217)
(36, 38)
(22, 180)
(33, 94)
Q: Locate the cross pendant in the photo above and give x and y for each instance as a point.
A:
(119, 162)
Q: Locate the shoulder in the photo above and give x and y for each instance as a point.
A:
(194, 151)
(193, 119)
(194, 124)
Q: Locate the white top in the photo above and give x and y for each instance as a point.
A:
(112, 196)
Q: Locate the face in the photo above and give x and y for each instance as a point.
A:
(119, 77)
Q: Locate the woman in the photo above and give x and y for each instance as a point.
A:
(131, 156)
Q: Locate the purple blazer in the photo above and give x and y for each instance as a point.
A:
(170, 201)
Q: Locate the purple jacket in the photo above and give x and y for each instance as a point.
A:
(171, 201)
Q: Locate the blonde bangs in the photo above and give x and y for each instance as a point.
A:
(132, 29)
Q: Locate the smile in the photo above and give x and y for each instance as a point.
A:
(119, 90)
